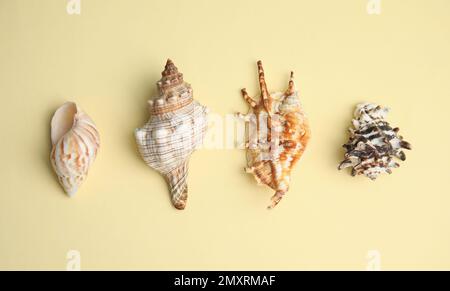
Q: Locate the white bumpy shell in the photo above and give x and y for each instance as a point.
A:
(176, 128)
(75, 142)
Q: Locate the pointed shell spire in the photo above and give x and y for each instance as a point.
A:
(174, 93)
(170, 77)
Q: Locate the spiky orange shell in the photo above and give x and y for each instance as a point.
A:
(278, 135)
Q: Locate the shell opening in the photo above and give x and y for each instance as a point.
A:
(63, 120)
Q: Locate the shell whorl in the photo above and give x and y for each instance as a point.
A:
(176, 128)
(167, 140)
(279, 119)
(170, 77)
(174, 93)
(75, 143)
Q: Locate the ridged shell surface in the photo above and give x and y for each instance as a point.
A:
(176, 128)
(278, 132)
(75, 143)
(373, 143)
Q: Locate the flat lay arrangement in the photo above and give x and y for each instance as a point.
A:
(215, 136)
(278, 132)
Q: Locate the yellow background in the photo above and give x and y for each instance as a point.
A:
(108, 59)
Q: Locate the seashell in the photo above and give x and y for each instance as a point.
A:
(278, 134)
(373, 143)
(176, 128)
(75, 141)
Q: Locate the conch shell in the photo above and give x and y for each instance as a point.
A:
(373, 143)
(75, 141)
(176, 128)
(278, 135)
